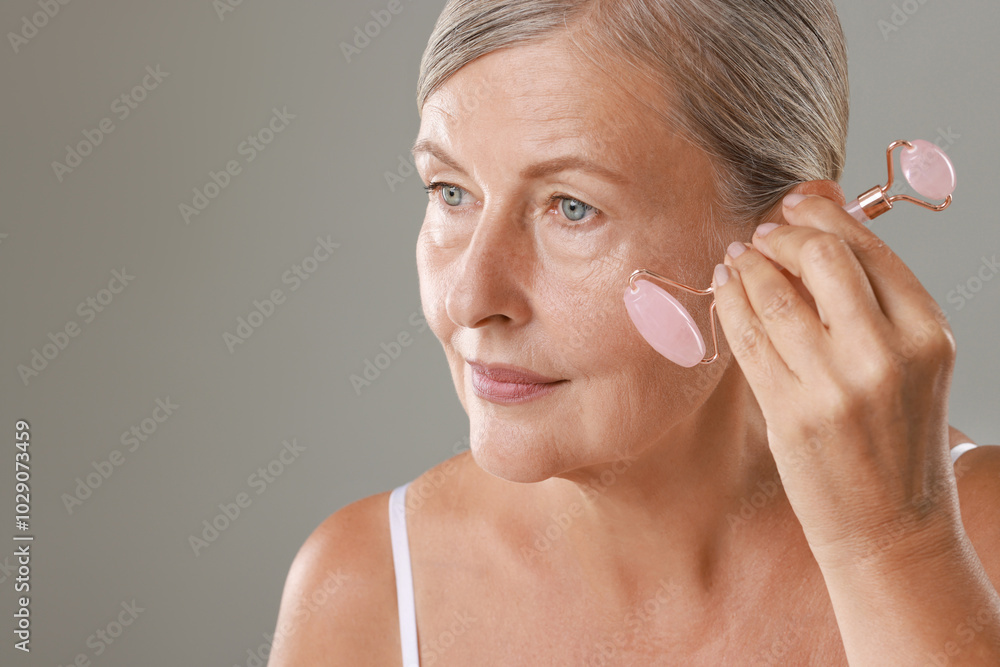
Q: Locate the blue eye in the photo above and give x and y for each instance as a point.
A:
(573, 209)
(452, 194)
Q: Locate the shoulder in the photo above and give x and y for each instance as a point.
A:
(977, 472)
(339, 599)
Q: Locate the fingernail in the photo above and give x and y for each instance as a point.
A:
(764, 229)
(721, 274)
(736, 249)
(791, 201)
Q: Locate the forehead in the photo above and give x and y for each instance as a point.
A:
(545, 95)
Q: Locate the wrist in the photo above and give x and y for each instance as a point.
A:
(916, 601)
(898, 546)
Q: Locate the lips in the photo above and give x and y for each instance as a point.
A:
(506, 384)
(507, 373)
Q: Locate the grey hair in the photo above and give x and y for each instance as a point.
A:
(760, 85)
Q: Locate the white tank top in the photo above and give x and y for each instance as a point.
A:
(404, 576)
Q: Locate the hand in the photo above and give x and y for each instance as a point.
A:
(854, 391)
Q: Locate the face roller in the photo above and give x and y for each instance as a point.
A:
(668, 326)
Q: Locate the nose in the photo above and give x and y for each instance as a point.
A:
(493, 274)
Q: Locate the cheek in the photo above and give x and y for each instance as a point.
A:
(432, 273)
(575, 250)
(441, 233)
(596, 343)
(592, 334)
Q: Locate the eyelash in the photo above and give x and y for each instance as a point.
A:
(434, 186)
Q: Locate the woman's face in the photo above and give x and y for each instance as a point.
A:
(559, 185)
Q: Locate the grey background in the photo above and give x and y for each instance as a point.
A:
(162, 336)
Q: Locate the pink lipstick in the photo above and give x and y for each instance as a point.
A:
(503, 383)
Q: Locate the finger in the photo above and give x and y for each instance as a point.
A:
(800, 287)
(898, 291)
(792, 326)
(763, 367)
(832, 273)
(797, 282)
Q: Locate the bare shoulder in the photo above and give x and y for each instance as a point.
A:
(339, 601)
(978, 474)
(339, 604)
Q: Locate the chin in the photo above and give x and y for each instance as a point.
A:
(515, 453)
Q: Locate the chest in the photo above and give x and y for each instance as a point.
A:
(465, 620)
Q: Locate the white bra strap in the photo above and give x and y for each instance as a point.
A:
(404, 576)
(958, 450)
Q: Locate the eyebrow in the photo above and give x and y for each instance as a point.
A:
(535, 171)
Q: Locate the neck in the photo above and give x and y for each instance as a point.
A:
(683, 513)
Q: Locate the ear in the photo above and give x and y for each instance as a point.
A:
(823, 188)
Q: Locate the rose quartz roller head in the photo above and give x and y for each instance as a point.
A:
(669, 327)
(928, 171)
(665, 323)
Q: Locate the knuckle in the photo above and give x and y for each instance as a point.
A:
(949, 344)
(840, 402)
(871, 244)
(780, 304)
(873, 365)
(824, 249)
(879, 374)
(940, 345)
(929, 343)
(749, 341)
(944, 341)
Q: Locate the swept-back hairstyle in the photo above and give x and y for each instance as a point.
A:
(760, 85)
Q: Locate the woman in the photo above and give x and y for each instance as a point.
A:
(793, 502)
